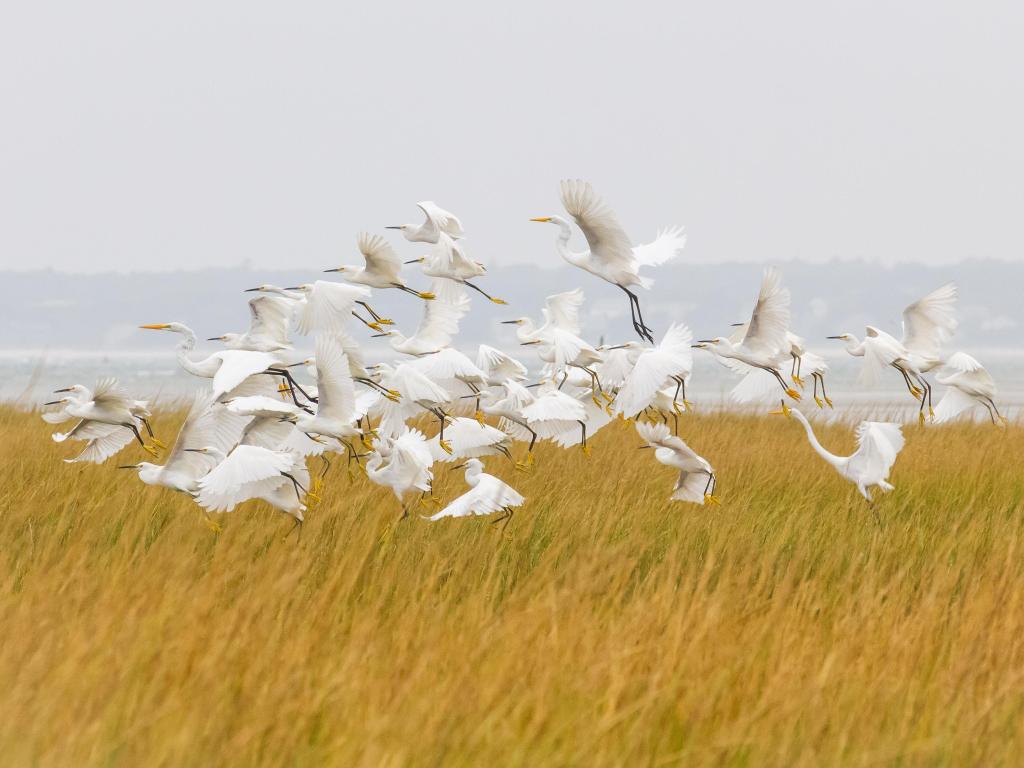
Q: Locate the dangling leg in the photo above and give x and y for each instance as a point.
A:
(1003, 420)
(586, 448)
(426, 295)
(372, 324)
(632, 313)
(484, 293)
(782, 383)
(376, 318)
(644, 329)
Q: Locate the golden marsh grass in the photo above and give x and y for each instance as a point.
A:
(611, 627)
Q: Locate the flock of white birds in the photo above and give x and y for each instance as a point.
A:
(251, 432)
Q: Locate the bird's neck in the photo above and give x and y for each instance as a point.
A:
(473, 476)
(562, 243)
(185, 346)
(855, 346)
(831, 458)
(372, 466)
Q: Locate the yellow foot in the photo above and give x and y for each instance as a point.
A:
(916, 393)
(284, 390)
(819, 402)
(376, 326)
(608, 410)
(711, 499)
(1004, 421)
(829, 402)
(158, 443)
(607, 398)
(385, 321)
(798, 381)
(597, 402)
(526, 465)
(318, 486)
(212, 524)
(920, 417)
(783, 410)
(498, 301)
(676, 408)
(366, 443)
(312, 500)
(151, 450)
(586, 450)
(688, 405)
(931, 413)
(445, 446)
(427, 296)
(793, 393)
(479, 416)
(392, 397)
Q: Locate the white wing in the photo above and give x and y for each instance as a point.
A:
(441, 220)
(666, 246)
(766, 331)
(335, 390)
(328, 307)
(208, 424)
(381, 259)
(441, 316)
(608, 241)
(880, 351)
(498, 366)
(238, 365)
(490, 495)
(878, 444)
(654, 369)
(109, 394)
(269, 318)
(410, 462)
(562, 311)
(930, 321)
(236, 478)
(961, 362)
(101, 448)
(448, 364)
(555, 406)
(467, 438)
(953, 403)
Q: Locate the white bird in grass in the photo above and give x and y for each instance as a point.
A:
(382, 268)
(269, 321)
(878, 444)
(696, 482)
(611, 255)
(486, 495)
(279, 478)
(670, 362)
(969, 385)
(469, 439)
(764, 344)
(402, 464)
(228, 368)
(438, 221)
(107, 404)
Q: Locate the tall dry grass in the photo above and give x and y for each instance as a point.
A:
(612, 628)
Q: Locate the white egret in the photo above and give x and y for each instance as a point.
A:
(108, 404)
(438, 221)
(499, 367)
(101, 441)
(448, 259)
(764, 343)
(969, 385)
(440, 321)
(269, 321)
(469, 439)
(486, 495)
(402, 464)
(611, 255)
(878, 444)
(382, 267)
(418, 393)
(279, 478)
(670, 362)
(696, 482)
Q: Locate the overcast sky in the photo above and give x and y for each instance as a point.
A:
(141, 137)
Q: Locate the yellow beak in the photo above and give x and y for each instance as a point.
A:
(157, 327)
(542, 219)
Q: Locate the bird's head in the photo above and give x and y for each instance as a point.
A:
(304, 288)
(264, 288)
(226, 338)
(172, 327)
(470, 465)
(74, 389)
(842, 337)
(209, 450)
(517, 321)
(62, 401)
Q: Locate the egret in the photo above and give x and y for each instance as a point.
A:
(107, 404)
(486, 495)
(696, 482)
(764, 341)
(269, 320)
(101, 441)
(418, 393)
(438, 221)
(323, 313)
(440, 321)
(969, 385)
(470, 439)
(402, 464)
(279, 478)
(878, 444)
(382, 267)
(670, 362)
(448, 259)
(611, 255)
(499, 367)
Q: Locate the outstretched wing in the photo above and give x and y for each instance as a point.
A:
(666, 246)
(441, 316)
(766, 331)
(930, 321)
(498, 365)
(411, 460)
(654, 369)
(269, 317)
(240, 476)
(208, 424)
(109, 394)
(328, 307)
(441, 220)
(608, 241)
(562, 310)
(490, 495)
(335, 390)
(100, 448)
(236, 366)
(381, 259)
(878, 444)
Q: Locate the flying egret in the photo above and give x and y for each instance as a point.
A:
(696, 482)
(418, 393)
(486, 495)
(927, 324)
(878, 444)
(764, 343)
(207, 424)
(969, 385)
(611, 256)
(279, 478)
(228, 368)
(670, 362)
(438, 221)
(440, 321)
(382, 269)
(470, 439)
(448, 259)
(108, 403)
(498, 366)
(101, 440)
(269, 320)
(402, 464)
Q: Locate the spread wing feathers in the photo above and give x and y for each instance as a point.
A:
(208, 424)
(563, 310)
(450, 258)
(812, 363)
(238, 365)
(267, 432)
(660, 436)
(328, 306)
(442, 315)
(109, 394)
(666, 246)
(260, 405)
(107, 442)
(653, 371)
(766, 331)
(415, 387)
(879, 353)
(554, 406)
(930, 321)
(87, 429)
(953, 403)
(616, 366)
(448, 364)
(269, 318)
(410, 461)
(961, 362)
(468, 439)
(498, 366)
(440, 220)
(878, 444)
(567, 347)
(381, 259)
(242, 475)
(756, 386)
(608, 241)
(595, 418)
(335, 390)
(488, 496)
(690, 486)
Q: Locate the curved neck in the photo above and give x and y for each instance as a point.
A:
(473, 473)
(186, 345)
(562, 242)
(831, 458)
(372, 466)
(855, 347)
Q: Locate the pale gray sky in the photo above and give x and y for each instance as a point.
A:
(153, 137)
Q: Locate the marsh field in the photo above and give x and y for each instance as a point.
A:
(607, 626)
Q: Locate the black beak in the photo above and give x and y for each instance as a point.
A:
(393, 227)
(332, 270)
(833, 337)
(53, 402)
(641, 447)
(128, 466)
(378, 335)
(509, 322)
(250, 290)
(705, 341)
(459, 466)
(194, 450)
(214, 338)
(735, 325)
(64, 389)
(413, 261)
(293, 288)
